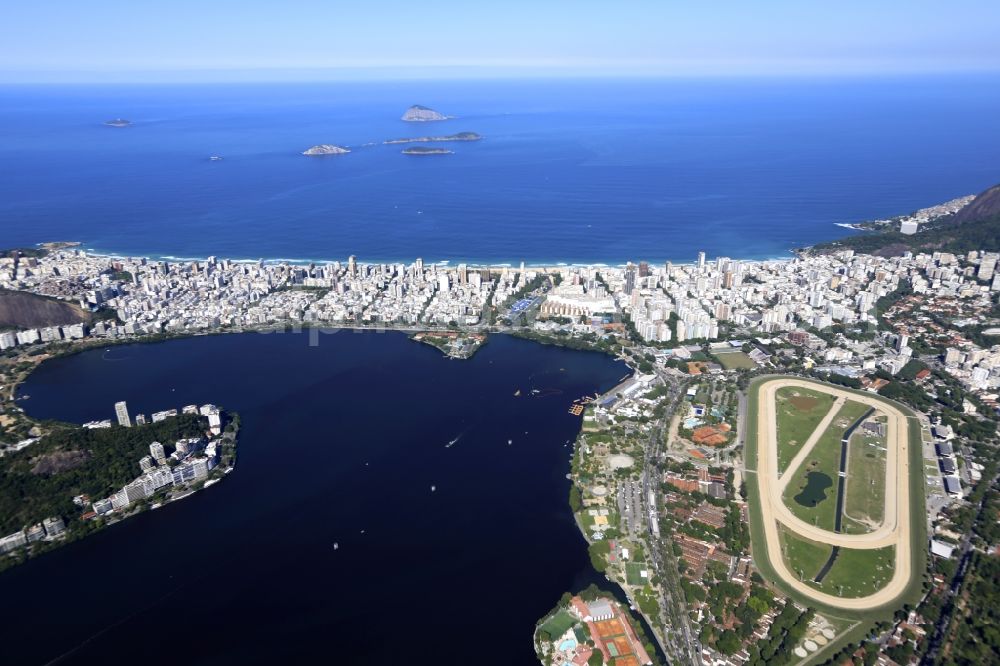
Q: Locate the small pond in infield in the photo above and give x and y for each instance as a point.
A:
(815, 489)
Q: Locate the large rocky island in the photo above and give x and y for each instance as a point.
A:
(419, 114)
(460, 136)
(326, 149)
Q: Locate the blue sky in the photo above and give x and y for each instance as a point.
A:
(111, 39)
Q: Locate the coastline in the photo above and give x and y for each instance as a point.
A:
(612, 585)
(89, 523)
(470, 262)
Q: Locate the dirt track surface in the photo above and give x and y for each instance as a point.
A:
(895, 529)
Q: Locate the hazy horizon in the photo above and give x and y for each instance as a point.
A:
(472, 74)
(187, 41)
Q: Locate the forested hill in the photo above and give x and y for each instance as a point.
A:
(974, 227)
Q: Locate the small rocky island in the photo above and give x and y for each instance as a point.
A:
(460, 136)
(424, 150)
(326, 149)
(118, 122)
(420, 114)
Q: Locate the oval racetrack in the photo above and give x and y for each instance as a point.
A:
(895, 528)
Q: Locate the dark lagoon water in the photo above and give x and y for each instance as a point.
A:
(568, 171)
(341, 442)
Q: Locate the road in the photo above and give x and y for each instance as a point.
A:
(633, 503)
(687, 651)
(676, 641)
(741, 420)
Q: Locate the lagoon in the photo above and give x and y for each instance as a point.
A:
(341, 443)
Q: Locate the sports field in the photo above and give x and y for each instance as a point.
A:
(633, 573)
(558, 624)
(734, 360)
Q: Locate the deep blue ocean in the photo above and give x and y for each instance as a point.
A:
(573, 171)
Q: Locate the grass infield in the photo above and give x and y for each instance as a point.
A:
(799, 411)
(824, 459)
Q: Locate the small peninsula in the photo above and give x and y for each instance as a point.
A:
(118, 122)
(76, 480)
(424, 150)
(420, 114)
(460, 136)
(326, 149)
(453, 344)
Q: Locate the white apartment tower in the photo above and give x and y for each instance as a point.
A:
(121, 411)
(156, 450)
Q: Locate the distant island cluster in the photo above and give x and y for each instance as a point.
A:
(414, 114)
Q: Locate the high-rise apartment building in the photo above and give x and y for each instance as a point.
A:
(121, 411)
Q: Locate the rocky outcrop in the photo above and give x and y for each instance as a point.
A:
(419, 114)
(326, 149)
(118, 122)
